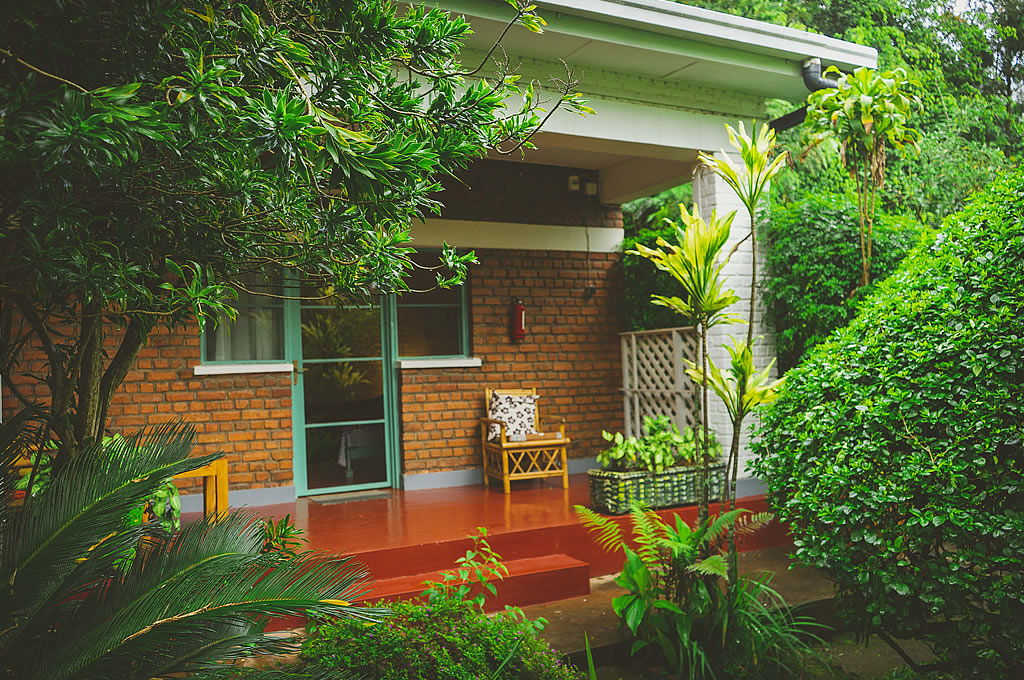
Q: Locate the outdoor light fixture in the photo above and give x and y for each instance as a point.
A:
(517, 320)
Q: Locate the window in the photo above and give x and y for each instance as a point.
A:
(257, 333)
(433, 323)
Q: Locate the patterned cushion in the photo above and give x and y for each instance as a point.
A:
(517, 412)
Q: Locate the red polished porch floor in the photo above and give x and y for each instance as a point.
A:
(537, 518)
(405, 538)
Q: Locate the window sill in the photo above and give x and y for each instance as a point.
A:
(464, 362)
(232, 369)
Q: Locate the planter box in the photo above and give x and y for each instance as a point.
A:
(613, 492)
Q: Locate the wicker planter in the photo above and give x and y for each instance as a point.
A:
(612, 492)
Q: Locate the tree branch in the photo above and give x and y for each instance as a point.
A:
(42, 72)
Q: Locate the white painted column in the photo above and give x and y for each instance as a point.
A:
(711, 192)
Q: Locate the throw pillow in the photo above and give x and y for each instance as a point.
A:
(517, 412)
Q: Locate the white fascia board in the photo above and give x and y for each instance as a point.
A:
(699, 24)
(516, 236)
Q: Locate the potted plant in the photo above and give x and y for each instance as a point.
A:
(659, 469)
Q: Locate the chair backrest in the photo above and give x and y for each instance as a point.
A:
(515, 392)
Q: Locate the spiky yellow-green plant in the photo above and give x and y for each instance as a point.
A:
(694, 262)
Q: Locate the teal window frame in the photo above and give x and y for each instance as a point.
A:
(464, 350)
(204, 335)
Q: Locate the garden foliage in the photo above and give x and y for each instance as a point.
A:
(895, 450)
(662, 446)
(90, 594)
(157, 155)
(813, 262)
(677, 599)
(447, 639)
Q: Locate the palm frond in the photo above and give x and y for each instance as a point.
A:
(83, 507)
(609, 533)
(207, 585)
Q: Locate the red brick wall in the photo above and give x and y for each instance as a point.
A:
(247, 416)
(571, 354)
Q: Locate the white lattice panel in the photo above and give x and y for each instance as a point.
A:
(654, 379)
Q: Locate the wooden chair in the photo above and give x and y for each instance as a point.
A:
(539, 456)
(215, 486)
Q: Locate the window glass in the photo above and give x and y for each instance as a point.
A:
(257, 333)
(431, 319)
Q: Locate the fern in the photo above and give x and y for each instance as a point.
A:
(711, 566)
(609, 533)
(650, 534)
(749, 524)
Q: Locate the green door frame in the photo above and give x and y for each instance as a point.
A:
(389, 351)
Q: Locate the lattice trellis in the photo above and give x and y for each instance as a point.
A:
(654, 380)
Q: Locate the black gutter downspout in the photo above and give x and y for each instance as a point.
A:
(811, 71)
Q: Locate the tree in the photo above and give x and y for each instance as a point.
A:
(866, 112)
(155, 154)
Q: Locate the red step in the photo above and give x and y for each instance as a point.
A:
(530, 580)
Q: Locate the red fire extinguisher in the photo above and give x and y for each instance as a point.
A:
(518, 320)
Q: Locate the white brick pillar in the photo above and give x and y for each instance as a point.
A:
(711, 192)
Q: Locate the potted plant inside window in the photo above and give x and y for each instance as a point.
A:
(658, 469)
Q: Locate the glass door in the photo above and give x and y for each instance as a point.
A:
(343, 397)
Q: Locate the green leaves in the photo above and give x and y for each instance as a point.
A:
(758, 167)
(893, 450)
(90, 594)
(695, 264)
(743, 388)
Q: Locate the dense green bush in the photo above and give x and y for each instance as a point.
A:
(644, 221)
(812, 257)
(894, 450)
(445, 639)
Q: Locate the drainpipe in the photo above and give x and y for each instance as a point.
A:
(813, 80)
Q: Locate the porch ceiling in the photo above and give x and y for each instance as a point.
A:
(627, 170)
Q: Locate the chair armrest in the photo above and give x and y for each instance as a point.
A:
(484, 422)
(557, 420)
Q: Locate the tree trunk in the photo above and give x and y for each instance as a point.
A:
(90, 350)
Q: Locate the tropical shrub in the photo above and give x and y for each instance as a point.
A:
(679, 602)
(894, 451)
(446, 639)
(88, 594)
(813, 262)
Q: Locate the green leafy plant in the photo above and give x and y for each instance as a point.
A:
(445, 639)
(865, 112)
(695, 265)
(241, 140)
(74, 607)
(749, 182)
(741, 388)
(662, 446)
(282, 537)
(679, 600)
(812, 263)
(474, 576)
(894, 450)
